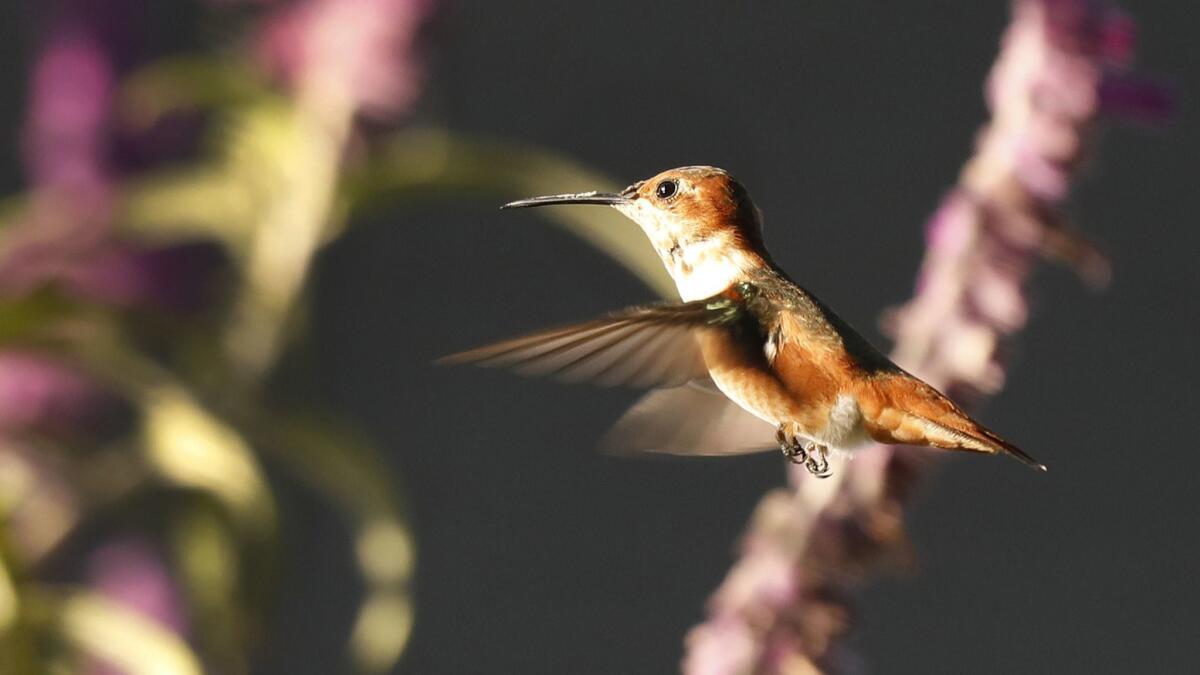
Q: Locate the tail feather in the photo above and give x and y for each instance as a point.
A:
(903, 409)
(970, 435)
(1009, 448)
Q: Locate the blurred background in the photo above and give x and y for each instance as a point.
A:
(238, 233)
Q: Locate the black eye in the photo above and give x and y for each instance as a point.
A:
(666, 189)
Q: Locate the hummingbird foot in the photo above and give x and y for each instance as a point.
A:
(818, 460)
(812, 456)
(791, 448)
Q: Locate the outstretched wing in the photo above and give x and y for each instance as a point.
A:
(642, 346)
(696, 419)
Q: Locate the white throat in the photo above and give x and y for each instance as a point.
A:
(704, 269)
(701, 268)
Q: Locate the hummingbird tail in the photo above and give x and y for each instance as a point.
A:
(903, 409)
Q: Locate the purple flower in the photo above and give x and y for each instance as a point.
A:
(65, 239)
(44, 396)
(180, 277)
(63, 138)
(372, 44)
(132, 571)
(69, 108)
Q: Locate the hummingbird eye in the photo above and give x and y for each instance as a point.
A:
(666, 189)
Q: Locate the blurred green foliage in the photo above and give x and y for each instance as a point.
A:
(275, 182)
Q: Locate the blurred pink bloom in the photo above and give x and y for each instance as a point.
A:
(65, 128)
(131, 570)
(65, 239)
(376, 39)
(181, 277)
(174, 278)
(43, 396)
(68, 111)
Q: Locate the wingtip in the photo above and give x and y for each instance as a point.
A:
(456, 359)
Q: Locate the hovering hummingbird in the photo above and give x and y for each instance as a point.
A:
(745, 339)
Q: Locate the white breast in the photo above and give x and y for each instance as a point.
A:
(845, 429)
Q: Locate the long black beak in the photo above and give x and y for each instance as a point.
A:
(605, 198)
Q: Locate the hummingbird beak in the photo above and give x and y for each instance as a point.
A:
(604, 198)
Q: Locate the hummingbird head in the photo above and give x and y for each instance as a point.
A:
(699, 219)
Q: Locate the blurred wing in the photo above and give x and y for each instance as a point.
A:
(644, 347)
(693, 420)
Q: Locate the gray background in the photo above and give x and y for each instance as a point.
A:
(846, 120)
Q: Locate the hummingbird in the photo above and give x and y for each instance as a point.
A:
(749, 360)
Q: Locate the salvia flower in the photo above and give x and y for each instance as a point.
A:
(376, 39)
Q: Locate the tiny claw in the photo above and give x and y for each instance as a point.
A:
(819, 470)
(792, 449)
(796, 454)
(815, 466)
